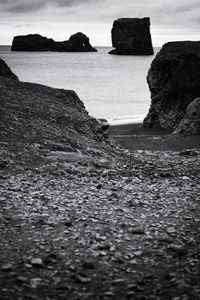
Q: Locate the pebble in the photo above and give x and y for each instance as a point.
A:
(171, 230)
(178, 250)
(99, 186)
(35, 282)
(7, 267)
(37, 262)
(138, 231)
(68, 223)
(186, 178)
(88, 265)
(82, 278)
(22, 279)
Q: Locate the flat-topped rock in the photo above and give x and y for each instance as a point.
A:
(131, 36)
(78, 42)
(173, 80)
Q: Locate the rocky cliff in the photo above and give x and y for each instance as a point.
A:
(131, 36)
(78, 42)
(38, 122)
(5, 71)
(173, 80)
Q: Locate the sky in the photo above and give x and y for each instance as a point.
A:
(170, 19)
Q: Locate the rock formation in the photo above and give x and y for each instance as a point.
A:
(131, 36)
(5, 71)
(173, 80)
(78, 42)
(190, 124)
(36, 120)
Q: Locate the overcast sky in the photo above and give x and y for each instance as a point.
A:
(170, 19)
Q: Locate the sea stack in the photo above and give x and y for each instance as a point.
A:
(78, 42)
(173, 80)
(131, 36)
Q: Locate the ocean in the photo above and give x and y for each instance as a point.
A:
(111, 87)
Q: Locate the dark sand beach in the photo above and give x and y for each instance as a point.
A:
(135, 137)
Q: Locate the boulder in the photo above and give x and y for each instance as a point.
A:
(103, 127)
(190, 124)
(78, 42)
(173, 80)
(131, 36)
(5, 71)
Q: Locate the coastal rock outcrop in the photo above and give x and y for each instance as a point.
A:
(173, 79)
(190, 124)
(131, 36)
(78, 42)
(5, 71)
(36, 120)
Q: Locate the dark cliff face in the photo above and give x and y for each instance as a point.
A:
(131, 36)
(190, 124)
(78, 42)
(5, 71)
(173, 80)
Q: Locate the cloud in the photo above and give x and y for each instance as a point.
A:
(29, 6)
(174, 11)
(71, 15)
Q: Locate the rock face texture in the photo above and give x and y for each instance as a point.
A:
(38, 121)
(173, 79)
(5, 71)
(78, 42)
(131, 36)
(190, 124)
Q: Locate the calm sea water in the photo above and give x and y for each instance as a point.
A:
(111, 87)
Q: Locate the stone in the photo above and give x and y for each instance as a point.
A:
(6, 267)
(178, 250)
(102, 128)
(131, 36)
(35, 282)
(68, 223)
(137, 231)
(190, 124)
(37, 262)
(173, 80)
(5, 71)
(99, 186)
(78, 42)
(171, 230)
(88, 265)
(82, 278)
